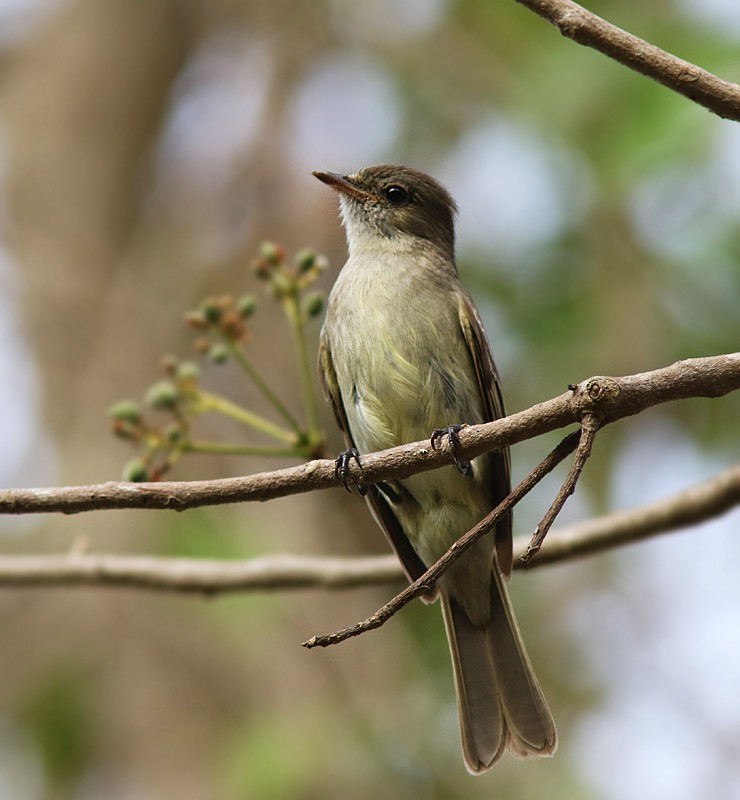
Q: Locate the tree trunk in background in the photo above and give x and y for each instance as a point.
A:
(83, 102)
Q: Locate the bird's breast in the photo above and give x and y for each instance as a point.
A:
(401, 361)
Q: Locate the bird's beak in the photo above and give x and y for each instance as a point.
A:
(340, 183)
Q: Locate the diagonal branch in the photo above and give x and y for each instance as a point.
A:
(609, 398)
(586, 28)
(589, 428)
(422, 584)
(692, 506)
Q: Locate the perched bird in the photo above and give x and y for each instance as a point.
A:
(403, 352)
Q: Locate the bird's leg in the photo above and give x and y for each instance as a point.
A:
(451, 432)
(341, 468)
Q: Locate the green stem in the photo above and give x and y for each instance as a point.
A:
(293, 312)
(212, 402)
(259, 382)
(221, 448)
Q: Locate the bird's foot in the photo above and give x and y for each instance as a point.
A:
(451, 432)
(341, 468)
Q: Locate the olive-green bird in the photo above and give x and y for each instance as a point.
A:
(403, 353)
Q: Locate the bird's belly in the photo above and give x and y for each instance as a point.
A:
(399, 392)
(415, 392)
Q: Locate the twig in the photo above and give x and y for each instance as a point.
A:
(428, 579)
(610, 398)
(589, 428)
(238, 354)
(208, 401)
(296, 320)
(692, 506)
(197, 576)
(699, 85)
(689, 507)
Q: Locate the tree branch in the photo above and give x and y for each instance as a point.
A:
(589, 429)
(609, 399)
(425, 582)
(692, 506)
(198, 576)
(699, 503)
(704, 88)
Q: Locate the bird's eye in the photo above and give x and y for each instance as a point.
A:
(396, 195)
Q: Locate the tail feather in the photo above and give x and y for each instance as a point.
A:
(531, 726)
(482, 725)
(499, 699)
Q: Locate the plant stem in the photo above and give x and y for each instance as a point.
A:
(240, 356)
(222, 448)
(211, 402)
(293, 312)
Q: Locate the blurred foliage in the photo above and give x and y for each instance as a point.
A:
(147, 149)
(57, 714)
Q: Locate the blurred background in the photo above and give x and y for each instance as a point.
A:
(146, 149)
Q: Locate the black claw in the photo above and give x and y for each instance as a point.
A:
(341, 468)
(451, 432)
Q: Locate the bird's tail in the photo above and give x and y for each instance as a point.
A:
(499, 699)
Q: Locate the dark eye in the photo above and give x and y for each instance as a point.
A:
(396, 195)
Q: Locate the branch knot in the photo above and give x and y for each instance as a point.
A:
(596, 395)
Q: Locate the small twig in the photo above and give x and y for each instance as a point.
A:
(207, 401)
(252, 372)
(297, 324)
(589, 428)
(429, 578)
(229, 449)
(584, 27)
(689, 507)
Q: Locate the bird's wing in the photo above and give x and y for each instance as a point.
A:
(381, 509)
(493, 405)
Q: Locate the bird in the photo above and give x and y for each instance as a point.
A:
(403, 353)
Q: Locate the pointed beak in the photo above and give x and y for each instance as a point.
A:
(342, 184)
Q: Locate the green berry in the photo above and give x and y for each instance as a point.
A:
(212, 311)
(136, 471)
(313, 304)
(218, 353)
(125, 411)
(173, 434)
(305, 260)
(246, 306)
(272, 253)
(187, 371)
(163, 395)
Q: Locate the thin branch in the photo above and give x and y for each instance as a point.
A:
(692, 506)
(699, 85)
(422, 584)
(700, 503)
(589, 428)
(238, 354)
(609, 398)
(198, 576)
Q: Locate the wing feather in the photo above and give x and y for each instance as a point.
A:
(493, 404)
